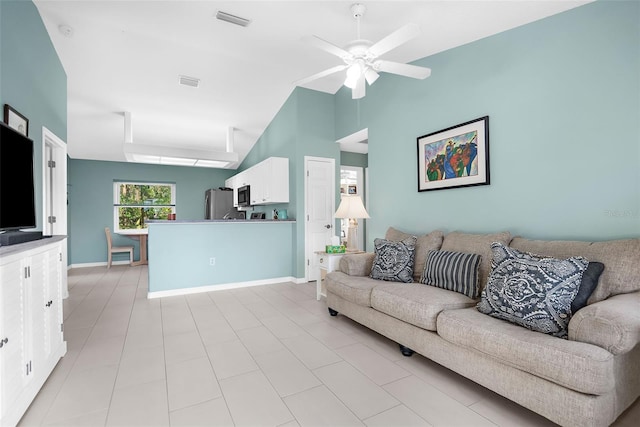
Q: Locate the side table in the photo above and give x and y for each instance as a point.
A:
(326, 263)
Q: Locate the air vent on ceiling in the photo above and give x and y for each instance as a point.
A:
(188, 81)
(233, 19)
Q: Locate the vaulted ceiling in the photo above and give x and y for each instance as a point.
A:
(127, 55)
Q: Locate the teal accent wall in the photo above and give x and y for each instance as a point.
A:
(91, 200)
(180, 253)
(32, 79)
(563, 97)
(304, 126)
(354, 159)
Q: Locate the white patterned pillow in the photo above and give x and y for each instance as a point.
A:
(393, 261)
(455, 271)
(531, 290)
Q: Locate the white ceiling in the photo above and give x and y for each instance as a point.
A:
(127, 55)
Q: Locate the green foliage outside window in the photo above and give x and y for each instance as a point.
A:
(140, 202)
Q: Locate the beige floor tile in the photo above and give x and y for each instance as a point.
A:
(460, 388)
(140, 405)
(433, 405)
(310, 351)
(181, 347)
(210, 413)
(283, 327)
(139, 366)
(91, 419)
(262, 309)
(217, 333)
(301, 316)
(359, 393)
(398, 416)
(286, 373)
(259, 340)
(83, 392)
(319, 407)
(98, 352)
(143, 337)
(506, 413)
(378, 368)
(252, 401)
(230, 359)
(328, 335)
(191, 382)
(242, 319)
(383, 345)
(177, 322)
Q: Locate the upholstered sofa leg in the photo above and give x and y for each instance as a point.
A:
(332, 311)
(406, 351)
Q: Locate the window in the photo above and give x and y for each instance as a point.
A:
(134, 203)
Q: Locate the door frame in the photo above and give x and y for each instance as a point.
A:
(58, 194)
(59, 188)
(362, 192)
(308, 252)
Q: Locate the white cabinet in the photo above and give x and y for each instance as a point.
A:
(31, 322)
(269, 181)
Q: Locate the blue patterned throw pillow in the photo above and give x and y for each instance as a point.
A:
(393, 261)
(532, 291)
(455, 271)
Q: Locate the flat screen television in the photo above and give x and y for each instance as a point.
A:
(17, 194)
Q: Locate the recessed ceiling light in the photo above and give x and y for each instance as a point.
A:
(233, 19)
(188, 81)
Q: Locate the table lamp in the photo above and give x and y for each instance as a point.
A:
(351, 207)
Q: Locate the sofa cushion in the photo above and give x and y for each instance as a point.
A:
(357, 264)
(455, 271)
(620, 257)
(476, 244)
(415, 303)
(532, 291)
(424, 243)
(589, 282)
(355, 289)
(393, 261)
(579, 366)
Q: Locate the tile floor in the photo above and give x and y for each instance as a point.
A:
(260, 356)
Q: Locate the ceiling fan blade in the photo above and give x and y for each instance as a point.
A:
(327, 46)
(395, 39)
(319, 75)
(360, 89)
(406, 70)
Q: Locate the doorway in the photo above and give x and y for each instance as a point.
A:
(54, 192)
(352, 184)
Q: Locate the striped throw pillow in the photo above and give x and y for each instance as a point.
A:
(455, 271)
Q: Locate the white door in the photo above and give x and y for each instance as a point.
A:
(54, 192)
(319, 209)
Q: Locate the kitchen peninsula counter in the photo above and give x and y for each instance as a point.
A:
(192, 256)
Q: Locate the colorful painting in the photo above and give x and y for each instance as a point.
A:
(454, 157)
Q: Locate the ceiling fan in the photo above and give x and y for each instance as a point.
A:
(362, 57)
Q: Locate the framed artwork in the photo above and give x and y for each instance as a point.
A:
(353, 189)
(454, 157)
(16, 120)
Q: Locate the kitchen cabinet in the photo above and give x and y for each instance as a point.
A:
(269, 182)
(31, 322)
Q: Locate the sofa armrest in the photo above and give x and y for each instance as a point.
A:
(613, 324)
(357, 264)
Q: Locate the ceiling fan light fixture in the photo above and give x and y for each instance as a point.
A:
(371, 75)
(354, 72)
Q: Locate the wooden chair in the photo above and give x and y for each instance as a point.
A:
(116, 249)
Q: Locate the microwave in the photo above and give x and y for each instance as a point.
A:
(244, 196)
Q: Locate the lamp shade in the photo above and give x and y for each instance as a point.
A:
(351, 207)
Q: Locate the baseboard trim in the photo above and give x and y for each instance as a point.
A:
(221, 287)
(97, 264)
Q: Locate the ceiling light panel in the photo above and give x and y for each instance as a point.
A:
(233, 19)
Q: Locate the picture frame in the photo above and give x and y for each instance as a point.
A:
(455, 157)
(353, 189)
(16, 120)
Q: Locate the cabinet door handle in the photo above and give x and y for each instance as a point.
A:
(328, 226)
(3, 342)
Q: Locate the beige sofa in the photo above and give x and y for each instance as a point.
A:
(588, 379)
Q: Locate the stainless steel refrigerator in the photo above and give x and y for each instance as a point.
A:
(218, 204)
